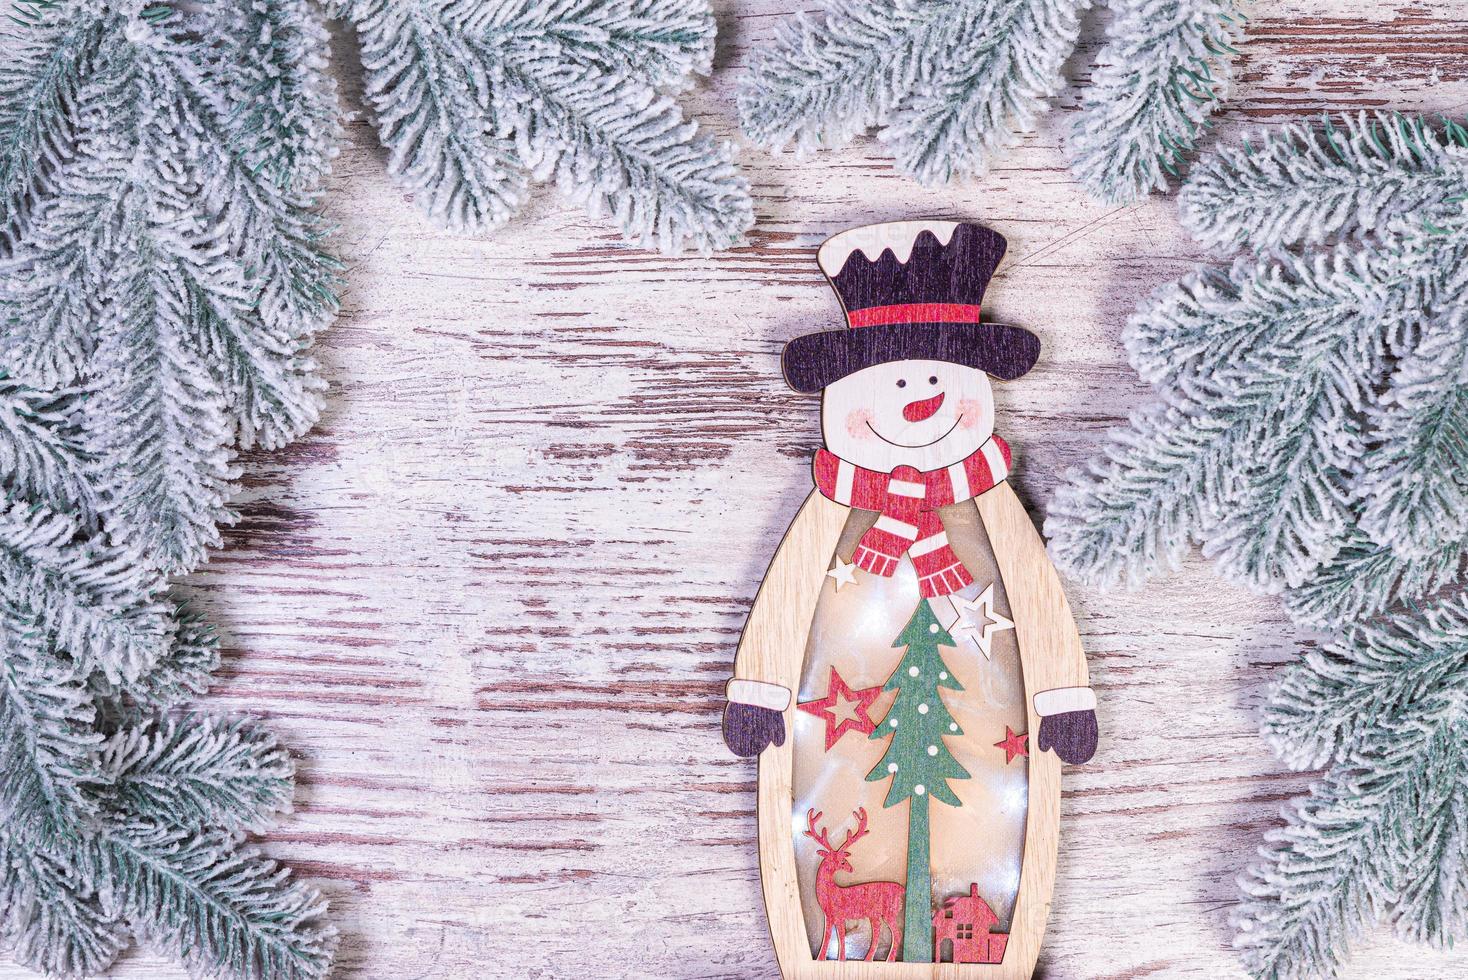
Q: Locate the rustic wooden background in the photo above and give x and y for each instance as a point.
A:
(492, 599)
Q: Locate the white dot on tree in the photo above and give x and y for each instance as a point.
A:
(922, 709)
(942, 675)
(912, 672)
(953, 726)
(919, 789)
(932, 750)
(891, 767)
(893, 722)
(932, 627)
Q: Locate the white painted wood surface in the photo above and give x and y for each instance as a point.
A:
(491, 601)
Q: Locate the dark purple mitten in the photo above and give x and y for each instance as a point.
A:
(1072, 734)
(750, 729)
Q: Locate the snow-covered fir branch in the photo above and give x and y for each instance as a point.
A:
(69, 933)
(990, 81)
(1386, 834)
(78, 592)
(49, 57)
(1309, 183)
(285, 111)
(48, 750)
(165, 270)
(162, 279)
(41, 448)
(198, 772)
(1407, 669)
(949, 83)
(1251, 449)
(1414, 488)
(1366, 579)
(1310, 433)
(180, 673)
(214, 904)
(826, 80)
(1164, 70)
(474, 100)
(1384, 830)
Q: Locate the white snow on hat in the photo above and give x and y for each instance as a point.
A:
(873, 240)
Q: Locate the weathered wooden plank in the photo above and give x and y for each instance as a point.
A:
(492, 599)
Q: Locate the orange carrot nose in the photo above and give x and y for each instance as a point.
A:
(925, 409)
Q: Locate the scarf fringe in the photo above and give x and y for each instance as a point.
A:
(910, 523)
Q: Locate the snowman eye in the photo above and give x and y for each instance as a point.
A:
(901, 383)
(933, 380)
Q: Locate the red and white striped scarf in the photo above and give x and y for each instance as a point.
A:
(908, 502)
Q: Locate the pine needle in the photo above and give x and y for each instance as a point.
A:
(1311, 433)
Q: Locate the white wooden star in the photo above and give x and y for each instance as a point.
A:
(842, 573)
(980, 628)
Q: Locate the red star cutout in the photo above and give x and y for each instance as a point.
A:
(1013, 745)
(843, 709)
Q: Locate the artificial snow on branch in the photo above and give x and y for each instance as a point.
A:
(950, 83)
(1399, 670)
(1164, 70)
(1385, 834)
(1305, 184)
(161, 278)
(1261, 366)
(180, 281)
(1310, 434)
(51, 55)
(1366, 579)
(199, 771)
(474, 100)
(1335, 869)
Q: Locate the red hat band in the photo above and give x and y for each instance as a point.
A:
(875, 316)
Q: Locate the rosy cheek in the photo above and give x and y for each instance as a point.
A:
(857, 423)
(971, 411)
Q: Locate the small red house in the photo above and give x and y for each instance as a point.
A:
(961, 931)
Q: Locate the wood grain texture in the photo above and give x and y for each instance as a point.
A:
(772, 649)
(492, 599)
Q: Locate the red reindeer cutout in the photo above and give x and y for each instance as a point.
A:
(875, 901)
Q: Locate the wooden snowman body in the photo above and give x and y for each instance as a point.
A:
(909, 637)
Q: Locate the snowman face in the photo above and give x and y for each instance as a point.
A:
(924, 414)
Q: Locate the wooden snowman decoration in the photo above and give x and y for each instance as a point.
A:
(909, 636)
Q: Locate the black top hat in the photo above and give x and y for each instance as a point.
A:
(917, 299)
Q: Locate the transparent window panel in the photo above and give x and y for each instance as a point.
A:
(976, 846)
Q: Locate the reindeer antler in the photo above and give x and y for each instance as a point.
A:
(852, 836)
(823, 838)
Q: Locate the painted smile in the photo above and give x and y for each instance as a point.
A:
(916, 445)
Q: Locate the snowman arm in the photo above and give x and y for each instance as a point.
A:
(1054, 660)
(772, 646)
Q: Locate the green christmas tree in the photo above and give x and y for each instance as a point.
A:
(918, 762)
